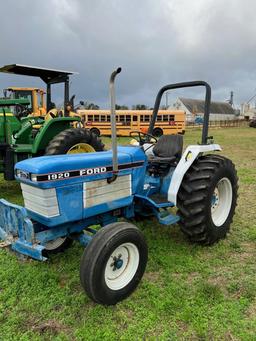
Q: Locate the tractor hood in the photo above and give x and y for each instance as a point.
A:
(64, 188)
(57, 170)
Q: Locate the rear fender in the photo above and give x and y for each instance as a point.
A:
(188, 157)
(49, 130)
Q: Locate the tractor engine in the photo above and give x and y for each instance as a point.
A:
(69, 188)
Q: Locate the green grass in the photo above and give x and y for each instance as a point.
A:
(188, 292)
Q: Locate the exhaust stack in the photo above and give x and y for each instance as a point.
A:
(113, 122)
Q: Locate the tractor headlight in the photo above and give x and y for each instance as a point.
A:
(22, 174)
(33, 177)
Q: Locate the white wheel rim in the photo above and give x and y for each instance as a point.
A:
(54, 244)
(221, 201)
(122, 266)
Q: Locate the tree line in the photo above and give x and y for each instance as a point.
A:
(92, 106)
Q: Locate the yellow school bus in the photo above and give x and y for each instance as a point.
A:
(168, 121)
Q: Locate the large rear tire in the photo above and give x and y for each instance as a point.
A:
(113, 263)
(74, 140)
(207, 199)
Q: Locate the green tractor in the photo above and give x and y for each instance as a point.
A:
(31, 126)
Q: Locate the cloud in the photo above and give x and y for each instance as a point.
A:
(156, 42)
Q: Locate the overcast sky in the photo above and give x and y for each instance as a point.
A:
(155, 41)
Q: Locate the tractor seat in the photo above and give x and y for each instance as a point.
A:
(168, 147)
(167, 152)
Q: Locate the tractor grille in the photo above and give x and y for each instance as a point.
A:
(41, 201)
(101, 192)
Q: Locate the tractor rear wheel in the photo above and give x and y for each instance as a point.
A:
(207, 199)
(74, 141)
(113, 263)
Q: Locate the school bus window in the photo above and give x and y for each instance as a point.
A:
(121, 118)
(102, 118)
(128, 118)
(171, 117)
(165, 118)
(108, 118)
(96, 118)
(159, 118)
(135, 118)
(90, 117)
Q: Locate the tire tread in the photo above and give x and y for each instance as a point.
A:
(192, 203)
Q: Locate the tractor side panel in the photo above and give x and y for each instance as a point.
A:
(99, 196)
(12, 125)
(54, 206)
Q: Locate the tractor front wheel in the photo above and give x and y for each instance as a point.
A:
(74, 141)
(113, 263)
(57, 245)
(207, 199)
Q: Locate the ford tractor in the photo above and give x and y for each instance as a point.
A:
(67, 196)
(34, 127)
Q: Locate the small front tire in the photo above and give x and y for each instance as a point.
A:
(57, 245)
(113, 263)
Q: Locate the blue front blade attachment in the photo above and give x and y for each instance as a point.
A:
(17, 230)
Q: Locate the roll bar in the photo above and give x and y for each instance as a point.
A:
(184, 85)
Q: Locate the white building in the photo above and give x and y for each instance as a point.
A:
(247, 111)
(219, 111)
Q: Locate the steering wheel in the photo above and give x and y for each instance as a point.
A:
(22, 111)
(143, 137)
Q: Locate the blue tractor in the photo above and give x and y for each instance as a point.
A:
(65, 196)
